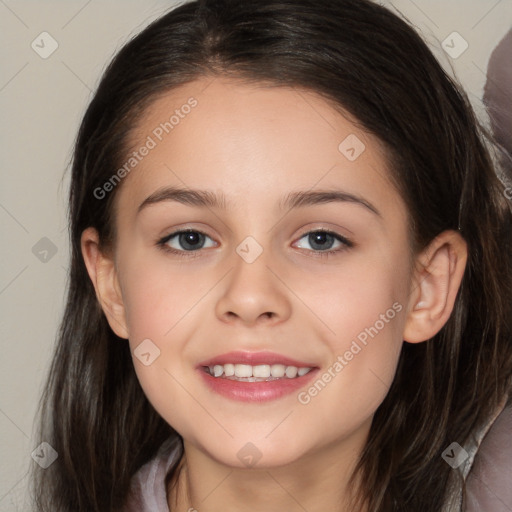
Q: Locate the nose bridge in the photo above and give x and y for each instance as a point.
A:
(252, 262)
(253, 289)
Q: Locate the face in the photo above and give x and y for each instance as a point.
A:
(262, 280)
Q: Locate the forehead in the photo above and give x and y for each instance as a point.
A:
(254, 143)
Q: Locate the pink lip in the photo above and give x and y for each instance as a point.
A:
(254, 358)
(255, 391)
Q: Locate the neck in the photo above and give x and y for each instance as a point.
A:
(314, 483)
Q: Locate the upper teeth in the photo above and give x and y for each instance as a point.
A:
(261, 370)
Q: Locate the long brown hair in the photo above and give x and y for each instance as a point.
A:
(366, 60)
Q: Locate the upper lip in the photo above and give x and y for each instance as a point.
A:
(254, 358)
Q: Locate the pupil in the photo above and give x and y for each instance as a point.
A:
(319, 239)
(190, 239)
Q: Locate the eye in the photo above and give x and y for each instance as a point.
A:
(322, 241)
(188, 240)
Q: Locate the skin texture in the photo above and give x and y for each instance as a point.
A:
(256, 144)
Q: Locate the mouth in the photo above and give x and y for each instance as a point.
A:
(255, 377)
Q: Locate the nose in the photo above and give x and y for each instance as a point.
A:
(254, 293)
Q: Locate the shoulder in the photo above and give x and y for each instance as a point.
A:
(147, 487)
(489, 483)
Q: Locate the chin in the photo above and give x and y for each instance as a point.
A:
(253, 454)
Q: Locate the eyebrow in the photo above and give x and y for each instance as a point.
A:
(208, 199)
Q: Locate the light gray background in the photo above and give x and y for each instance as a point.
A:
(41, 104)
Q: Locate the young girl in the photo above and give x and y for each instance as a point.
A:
(290, 285)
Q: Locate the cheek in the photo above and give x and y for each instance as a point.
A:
(157, 296)
(163, 304)
(363, 308)
(355, 296)
(157, 301)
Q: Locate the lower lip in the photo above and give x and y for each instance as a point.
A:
(256, 391)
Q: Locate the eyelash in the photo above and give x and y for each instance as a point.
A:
(162, 244)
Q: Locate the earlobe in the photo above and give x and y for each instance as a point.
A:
(103, 274)
(437, 279)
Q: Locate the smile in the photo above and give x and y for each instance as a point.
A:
(257, 373)
(255, 376)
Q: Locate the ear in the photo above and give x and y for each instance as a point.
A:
(102, 271)
(436, 281)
